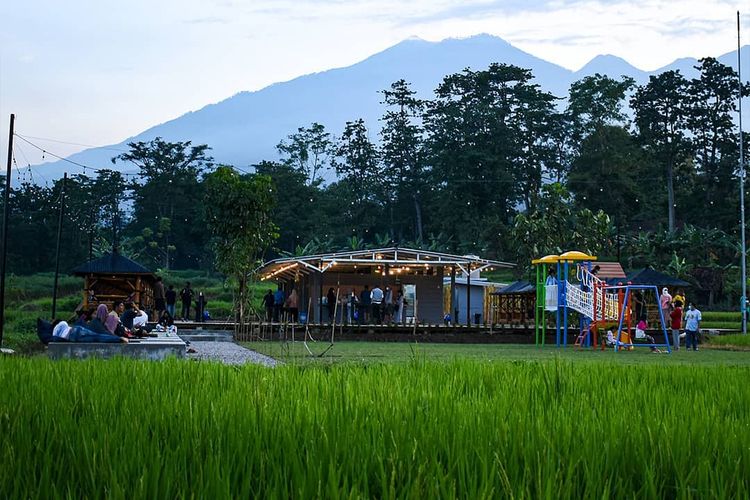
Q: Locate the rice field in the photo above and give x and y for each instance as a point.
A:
(420, 429)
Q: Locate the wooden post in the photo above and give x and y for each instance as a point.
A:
(452, 311)
(468, 296)
(61, 217)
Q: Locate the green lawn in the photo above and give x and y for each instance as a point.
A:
(403, 352)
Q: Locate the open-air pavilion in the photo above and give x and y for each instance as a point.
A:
(419, 273)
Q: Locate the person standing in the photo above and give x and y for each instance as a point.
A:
(676, 316)
(200, 307)
(388, 305)
(679, 296)
(331, 304)
(364, 305)
(376, 299)
(551, 277)
(278, 303)
(186, 296)
(160, 304)
(292, 305)
(692, 327)
(171, 299)
(400, 305)
(352, 304)
(665, 303)
(268, 302)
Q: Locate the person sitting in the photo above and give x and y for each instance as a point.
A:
(113, 323)
(135, 320)
(612, 341)
(141, 319)
(98, 323)
(62, 332)
(640, 334)
(127, 317)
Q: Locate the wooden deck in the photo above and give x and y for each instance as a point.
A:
(475, 334)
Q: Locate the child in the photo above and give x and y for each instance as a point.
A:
(640, 334)
(676, 317)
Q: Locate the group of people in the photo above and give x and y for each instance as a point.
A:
(376, 306)
(123, 322)
(165, 302)
(277, 303)
(672, 309)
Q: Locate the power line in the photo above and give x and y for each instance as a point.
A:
(62, 158)
(108, 148)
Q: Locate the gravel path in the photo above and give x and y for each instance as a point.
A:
(228, 353)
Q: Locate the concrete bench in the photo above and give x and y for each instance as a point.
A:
(148, 348)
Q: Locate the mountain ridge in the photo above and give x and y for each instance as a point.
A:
(244, 128)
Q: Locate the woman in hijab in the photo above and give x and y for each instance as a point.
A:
(665, 302)
(99, 323)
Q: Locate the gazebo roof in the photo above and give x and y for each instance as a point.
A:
(517, 287)
(111, 264)
(350, 261)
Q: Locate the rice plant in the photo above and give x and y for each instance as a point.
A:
(469, 429)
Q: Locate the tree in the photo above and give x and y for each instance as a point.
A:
(357, 162)
(489, 143)
(297, 205)
(238, 210)
(402, 153)
(710, 121)
(308, 151)
(169, 188)
(606, 174)
(660, 119)
(555, 226)
(595, 102)
(606, 163)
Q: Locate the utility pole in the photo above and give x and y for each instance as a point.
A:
(6, 214)
(743, 300)
(59, 237)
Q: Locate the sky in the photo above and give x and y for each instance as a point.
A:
(85, 73)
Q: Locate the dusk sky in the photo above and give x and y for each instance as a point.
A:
(96, 72)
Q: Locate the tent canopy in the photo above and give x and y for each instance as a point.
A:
(650, 276)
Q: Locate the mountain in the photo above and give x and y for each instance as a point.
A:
(245, 128)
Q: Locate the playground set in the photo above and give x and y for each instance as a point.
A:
(575, 286)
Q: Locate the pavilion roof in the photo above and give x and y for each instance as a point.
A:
(110, 263)
(350, 261)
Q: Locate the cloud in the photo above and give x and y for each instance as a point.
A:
(207, 20)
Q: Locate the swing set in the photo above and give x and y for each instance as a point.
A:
(575, 286)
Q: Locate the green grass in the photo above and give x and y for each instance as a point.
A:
(731, 316)
(731, 341)
(471, 429)
(721, 325)
(367, 353)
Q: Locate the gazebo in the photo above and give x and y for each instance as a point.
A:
(419, 273)
(514, 304)
(114, 277)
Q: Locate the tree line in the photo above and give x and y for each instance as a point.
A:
(491, 164)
